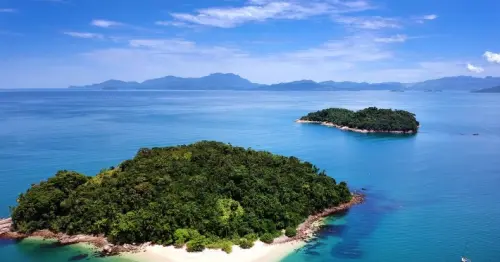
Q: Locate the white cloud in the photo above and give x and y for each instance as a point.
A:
(392, 39)
(429, 17)
(84, 35)
(262, 10)
(422, 19)
(372, 22)
(7, 10)
(474, 69)
(175, 23)
(492, 57)
(350, 49)
(105, 23)
(177, 45)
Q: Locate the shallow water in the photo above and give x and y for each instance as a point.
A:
(431, 197)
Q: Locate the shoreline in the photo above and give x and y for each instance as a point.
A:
(259, 252)
(280, 248)
(346, 128)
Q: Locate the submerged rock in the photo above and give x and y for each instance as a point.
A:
(78, 257)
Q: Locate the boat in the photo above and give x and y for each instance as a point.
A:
(464, 259)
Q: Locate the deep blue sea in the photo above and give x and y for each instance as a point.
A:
(433, 196)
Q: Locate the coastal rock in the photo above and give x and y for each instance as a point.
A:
(5, 225)
(98, 241)
(312, 224)
(108, 249)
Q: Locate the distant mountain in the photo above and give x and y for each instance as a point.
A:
(110, 85)
(309, 85)
(363, 85)
(495, 89)
(212, 82)
(456, 83)
(303, 85)
(220, 81)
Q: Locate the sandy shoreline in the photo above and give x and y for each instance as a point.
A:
(259, 252)
(346, 128)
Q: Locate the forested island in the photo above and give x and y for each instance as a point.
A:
(368, 120)
(204, 195)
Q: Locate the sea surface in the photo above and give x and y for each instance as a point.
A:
(433, 196)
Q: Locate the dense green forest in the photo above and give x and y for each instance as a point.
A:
(207, 194)
(371, 118)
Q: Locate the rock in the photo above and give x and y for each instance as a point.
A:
(107, 249)
(5, 225)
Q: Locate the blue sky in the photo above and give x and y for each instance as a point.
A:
(56, 43)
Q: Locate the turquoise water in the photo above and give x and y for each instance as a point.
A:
(430, 197)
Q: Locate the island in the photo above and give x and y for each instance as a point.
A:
(495, 89)
(206, 195)
(368, 120)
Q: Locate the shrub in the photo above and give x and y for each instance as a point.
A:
(197, 244)
(227, 247)
(252, 237)
(183, 235)
(267, 238)
(245, 243)
(290, 232)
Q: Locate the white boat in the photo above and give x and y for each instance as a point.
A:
(464, 259)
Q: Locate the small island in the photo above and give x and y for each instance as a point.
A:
(368, 120)
(207, 195)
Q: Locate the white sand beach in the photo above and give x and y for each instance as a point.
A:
(259, 252)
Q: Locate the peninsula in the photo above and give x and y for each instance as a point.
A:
(206, 195)
(368, 120)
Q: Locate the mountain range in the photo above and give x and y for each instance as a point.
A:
(220, 81)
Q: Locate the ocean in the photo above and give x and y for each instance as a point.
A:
(430, 197)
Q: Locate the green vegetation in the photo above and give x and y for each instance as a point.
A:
(290, 232)
(246, 243)
(267, 238)
(203, 195)
(370, 118)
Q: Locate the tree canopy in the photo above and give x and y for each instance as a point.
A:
(203, 194)
(370, 118)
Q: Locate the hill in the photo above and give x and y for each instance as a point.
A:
(110, 85)
(369, 119)
(216, 81)
(221, 81)
(495, 89)
(203, 194)
(456, 83)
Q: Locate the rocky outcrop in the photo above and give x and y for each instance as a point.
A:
(5, 225)
(306, 230)
(107, 249)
